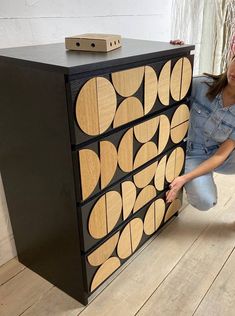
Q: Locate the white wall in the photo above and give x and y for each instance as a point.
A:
(30, 22)
(26, 22)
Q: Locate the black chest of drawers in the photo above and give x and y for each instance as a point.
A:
(89, 143)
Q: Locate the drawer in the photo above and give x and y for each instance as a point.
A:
(101, 104)
(105, 259)
(103, 163)
(103, 214)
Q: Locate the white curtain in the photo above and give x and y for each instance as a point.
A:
(210, 25)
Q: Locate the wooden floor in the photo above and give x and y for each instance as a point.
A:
(189, 269)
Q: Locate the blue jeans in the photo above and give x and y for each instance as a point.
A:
(202, 191)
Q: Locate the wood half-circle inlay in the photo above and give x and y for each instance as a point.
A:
(146, 130)
(149, 220)
(129, 110)
(125, 151)
(146, 152)
(124, 248)
(128, 197)
(145, 195)
(174, 164)
(179, 160)
(180, 116)
(170, 167)
(150, 88)
(87, 108)
(164, 84)
(90, 171)
(101, 254)
(114, 208)
(160, 207)
(95, 106)
(108, 162)
(104, 271)
(164, 133)
(172, 209)
(136, 228)
(179, 132)
(145, 176)
(127, 82)
(186, 77)
(97, 223)
(175, 85)
(107, 103)
(159, 179)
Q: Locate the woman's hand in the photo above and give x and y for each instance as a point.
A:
(177, 42)
(175, 186)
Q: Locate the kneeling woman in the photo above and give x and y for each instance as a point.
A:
(211, 138)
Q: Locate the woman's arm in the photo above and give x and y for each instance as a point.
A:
(206, 166)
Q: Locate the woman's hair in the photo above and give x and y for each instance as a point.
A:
(217, 85)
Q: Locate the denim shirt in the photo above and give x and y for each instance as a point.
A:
(210, 123)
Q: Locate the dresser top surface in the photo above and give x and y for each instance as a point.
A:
(55, 57)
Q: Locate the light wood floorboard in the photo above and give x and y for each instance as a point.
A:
(185, 287)
(220, 298)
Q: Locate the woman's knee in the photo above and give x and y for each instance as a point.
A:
(202, 192)
(203, 204)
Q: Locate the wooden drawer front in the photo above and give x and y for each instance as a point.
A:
(105, 213)
(102, 103)
(106, 258)
(101, 164)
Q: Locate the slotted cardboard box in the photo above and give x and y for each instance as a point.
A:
(93, 42)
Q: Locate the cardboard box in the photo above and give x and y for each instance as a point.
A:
(93, 42)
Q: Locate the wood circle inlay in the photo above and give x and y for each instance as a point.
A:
(150, 88)
(128, 197)
(159, 179)
(181, 77)
(125, 151)
(90, 171)
(95, 106)
(130, 238)
(172, 209)
(127, 82)
(146, 130)
(146, 152)
(104, 271)
(164, 133)
(145, 195)
(164, 84)
(105, 214)
(101, 254)
(145, 176)
(129, 110)
(108, 162)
